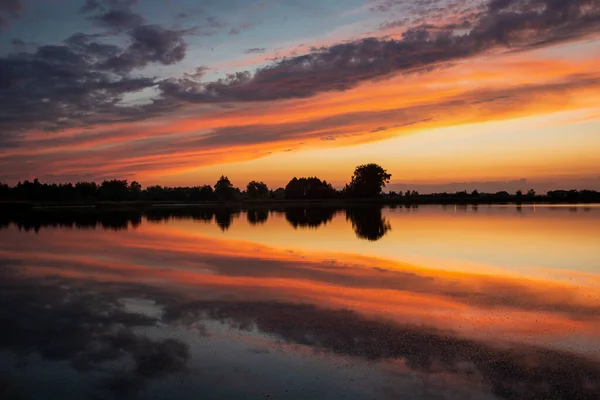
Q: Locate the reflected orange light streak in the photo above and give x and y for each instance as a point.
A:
(165, 255)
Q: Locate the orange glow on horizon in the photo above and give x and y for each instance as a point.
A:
(472, 94)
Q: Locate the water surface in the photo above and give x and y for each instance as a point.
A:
(434, 302)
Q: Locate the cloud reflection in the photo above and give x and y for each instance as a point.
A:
(63, 320)
(517, 372)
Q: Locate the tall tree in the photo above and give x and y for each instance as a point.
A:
(309, 188)
(257, 190)
(368, 180)
(224, 190)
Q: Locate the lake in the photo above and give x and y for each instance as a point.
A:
(428, 302)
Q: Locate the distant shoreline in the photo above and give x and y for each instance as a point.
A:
(420, 200)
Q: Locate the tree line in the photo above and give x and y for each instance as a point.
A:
(367, 182)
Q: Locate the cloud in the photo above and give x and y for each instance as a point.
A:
(99, 5)
(113, 14)
(81, 81)
(515, 25)
(219, 136)
(59, 86)
(150, 44)
(9, 9)
(255, 50)
(198, 73)
(401, 23)
(118, 19)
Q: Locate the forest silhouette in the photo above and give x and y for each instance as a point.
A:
(367, 183)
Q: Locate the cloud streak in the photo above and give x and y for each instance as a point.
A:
(74, 104)
(507, 25)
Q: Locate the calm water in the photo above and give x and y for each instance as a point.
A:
(433, 302)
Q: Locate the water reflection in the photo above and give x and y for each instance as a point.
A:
(87, 327)
(367, 222)
(179, 308)
(309, 217)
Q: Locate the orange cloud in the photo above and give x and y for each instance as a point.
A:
(485, 89)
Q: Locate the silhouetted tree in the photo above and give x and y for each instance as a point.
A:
(298, 188)
(368, 181)
(309, 188)
(278, 193)
(135, 191)
(368, 223)
(4, 191)
(257, 190)
(224, 190)
(86, 190)
(114, 190)
(201, 193)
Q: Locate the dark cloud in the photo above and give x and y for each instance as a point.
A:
(82, 81)
(400, 23)
(198, 73)
(386, 5)
(150, 44)
(116, 15)
(255, 50)
(118, 19)
(9, 9)
(509, 24)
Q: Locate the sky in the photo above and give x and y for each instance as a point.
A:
(444, 94)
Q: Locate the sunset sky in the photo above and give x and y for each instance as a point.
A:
(445, 94)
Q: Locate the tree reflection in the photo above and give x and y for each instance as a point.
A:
(311, 217)
(224, 218)
(256, 216)
(368, 222)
